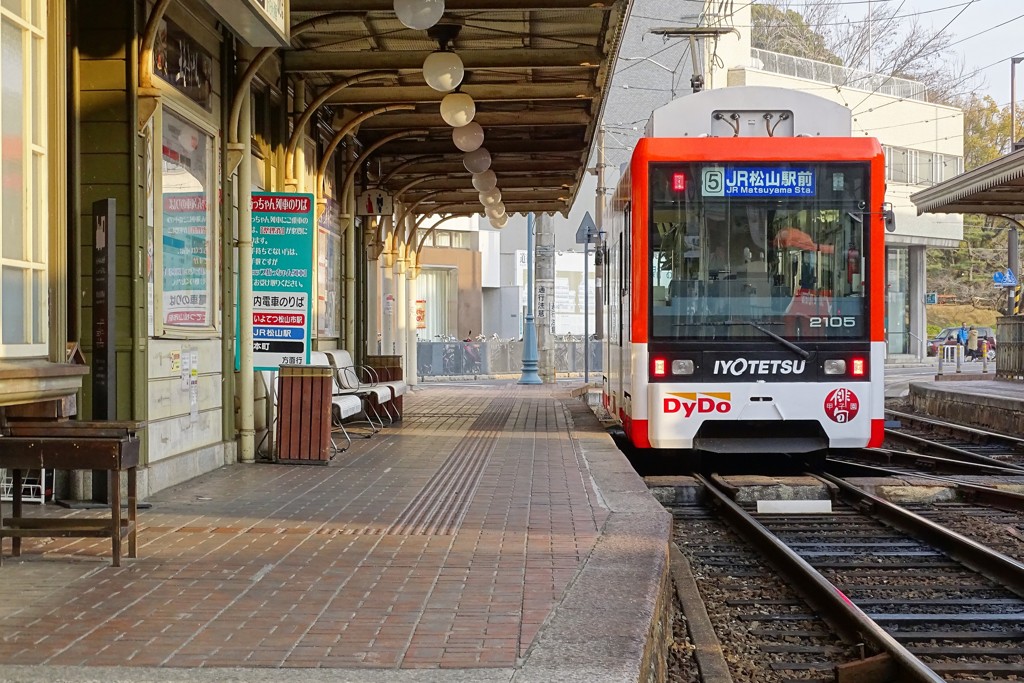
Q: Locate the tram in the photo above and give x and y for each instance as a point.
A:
(744, 271)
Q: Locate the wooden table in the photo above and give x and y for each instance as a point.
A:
(72, 445)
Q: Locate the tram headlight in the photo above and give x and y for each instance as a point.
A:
(859, 367)
(682, 367)
(835, 366)
(659, 367)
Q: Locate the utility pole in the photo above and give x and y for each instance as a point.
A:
(1014, 61)
(599, 244)
(1013, 247)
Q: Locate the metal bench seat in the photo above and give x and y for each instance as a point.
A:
(348, 377)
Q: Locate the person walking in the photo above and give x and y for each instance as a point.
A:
(972, 344)
(961, 336)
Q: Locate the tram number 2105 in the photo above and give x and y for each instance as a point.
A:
(833, 321)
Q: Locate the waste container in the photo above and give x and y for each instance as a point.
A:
(304, 415)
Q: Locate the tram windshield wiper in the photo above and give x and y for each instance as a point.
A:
(803, 353)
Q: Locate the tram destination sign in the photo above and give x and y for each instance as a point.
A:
(757, 181)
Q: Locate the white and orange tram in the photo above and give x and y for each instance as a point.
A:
(745, 278)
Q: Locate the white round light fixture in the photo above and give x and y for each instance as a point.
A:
(490, 198)
(499, 222)
(477, 161)
(495, 211)
(419, 14)
(468, 137)
(443, 71)
(457, 109)
(484, 181)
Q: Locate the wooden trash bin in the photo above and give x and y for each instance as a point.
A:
(304, 414)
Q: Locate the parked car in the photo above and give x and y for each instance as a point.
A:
(947, 337)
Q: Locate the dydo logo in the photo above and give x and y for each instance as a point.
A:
(699, 403)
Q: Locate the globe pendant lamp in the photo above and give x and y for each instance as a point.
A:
(419, 14)
(477, 161)
(490, 198)
(484, 181)
(499, 222)
(443, 70)
(457, 109)
(468, 137)
(495, 211)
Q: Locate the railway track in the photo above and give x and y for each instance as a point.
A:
(924, 604)
(934, 437)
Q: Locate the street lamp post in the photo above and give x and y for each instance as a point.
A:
(529, 373)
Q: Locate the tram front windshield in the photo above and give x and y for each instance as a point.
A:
(740, 248)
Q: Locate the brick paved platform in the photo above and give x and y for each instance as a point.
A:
(495, 533)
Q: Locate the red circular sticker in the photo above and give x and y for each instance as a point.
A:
(841, 405)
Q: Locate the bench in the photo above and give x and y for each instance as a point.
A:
(73, 445)
(345, 403)
(387, 371)
(347, 375)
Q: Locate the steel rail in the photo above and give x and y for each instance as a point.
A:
(1003, 570)
(972, 493)
(851, 624)
(965, 455)
(889, 456)
(1016, 441)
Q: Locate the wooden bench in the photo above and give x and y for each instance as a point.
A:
(72, 445)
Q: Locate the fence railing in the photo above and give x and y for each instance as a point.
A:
(1010, 349)
(823, 72)
(447, 359)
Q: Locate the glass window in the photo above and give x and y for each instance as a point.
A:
(442, 238)
(900, 165)
(735, 248)
(24, 305)
(951, 166)
(187, 237)
(926, 168)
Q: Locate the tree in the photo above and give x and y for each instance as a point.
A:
(986, 130)
(785, 31)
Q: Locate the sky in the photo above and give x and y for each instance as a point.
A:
(1000, 24)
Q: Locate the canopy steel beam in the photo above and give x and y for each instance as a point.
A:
(300, 61)
(457, 183)
(488, 120)
(451, 5)
(535, 92)
(499, 166)
(534, 146)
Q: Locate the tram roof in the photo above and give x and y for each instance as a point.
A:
(993, 188)
(538, 72)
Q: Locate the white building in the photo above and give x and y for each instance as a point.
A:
(923, 141)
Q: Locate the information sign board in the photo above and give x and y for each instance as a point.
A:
(282, 278)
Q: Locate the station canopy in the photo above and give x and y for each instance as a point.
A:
(538, 73)
(994, 188)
